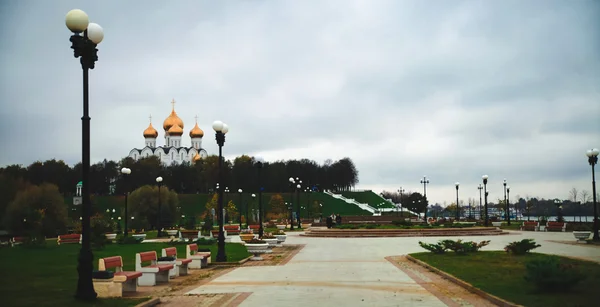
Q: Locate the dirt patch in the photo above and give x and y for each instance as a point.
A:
(205, 300)
(451, 294)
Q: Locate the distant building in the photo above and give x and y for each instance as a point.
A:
(172, 151)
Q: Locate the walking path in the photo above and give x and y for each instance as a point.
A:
(357, 272)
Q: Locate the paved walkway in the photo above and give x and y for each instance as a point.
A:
(355, 272)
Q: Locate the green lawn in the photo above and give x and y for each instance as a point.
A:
(48, 276)
(501, 274)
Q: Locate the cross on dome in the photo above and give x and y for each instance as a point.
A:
(173, 103)
(150, 117)
(196, 118)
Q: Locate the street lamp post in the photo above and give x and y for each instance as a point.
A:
(506, 204)
(425, 182)
(126, 172)
(592, 155)
(240, 206)
(293, 186)
(457, 208)
(158, 217)
(259, 165)
(480, 188)
(248, 211)
(558, 204)
(298, 189)
(485, 193)
(401, 191)
(220, 130)
(86, 36)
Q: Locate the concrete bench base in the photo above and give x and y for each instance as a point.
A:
(107, 288)
(152, 278)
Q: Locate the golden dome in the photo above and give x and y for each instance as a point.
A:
(173, 119)
(197, 157)
(175, 130)
(150, 132)
(196, 132)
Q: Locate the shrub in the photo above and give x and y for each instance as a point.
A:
(458, 246)
(521, 247)
(402, 223)
(205, 241)
(434, 248)
(129, 240)
(550, 275)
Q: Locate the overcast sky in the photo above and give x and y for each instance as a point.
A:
(448, 89)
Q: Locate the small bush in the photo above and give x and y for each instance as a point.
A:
(434, 248)
(372, 226)
(204, 241)
(458, 246)
(550, 275)
(521, 247)
(129, 240)
(402, 223)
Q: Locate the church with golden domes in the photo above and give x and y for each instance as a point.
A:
(172, 151)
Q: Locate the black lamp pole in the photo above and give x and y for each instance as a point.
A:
(248, 210)
(259, 165)
(485, 193)
(158, 217)
(401, 191)
(220, 131)
(480, 188)
(298, 187)
(506, 204)
(593, 160)
(240, 206)
(86, 36)
(425, 182)
(457, 208)
(293, 186)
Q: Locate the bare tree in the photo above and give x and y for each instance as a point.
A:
(585, 196)
(573, 195)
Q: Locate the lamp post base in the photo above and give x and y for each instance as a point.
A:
(85, 287)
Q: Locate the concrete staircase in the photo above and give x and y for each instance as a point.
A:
(435, 232)
(365, 207)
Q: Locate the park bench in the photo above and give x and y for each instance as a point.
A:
(532, 226)
(199, 259)
(123, 281)
(232, 229)
(17, 240)
(556, 226)
(69, 238)
(254, 228)
(153, 273)
(181, 265)
(215, 233)
(189, 234)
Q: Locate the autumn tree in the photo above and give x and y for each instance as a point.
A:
(37, 210)
(277, 204)
(143, 205)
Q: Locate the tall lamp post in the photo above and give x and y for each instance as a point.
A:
(248, 211)
(457, 208)
(506, 204)
(425, 182)
(401, 191)
(480, 188)
(592, 155)
(485, 193)
(220, 130)
(86, 36)
(558, 204)
(292, 186)
(259, 165)
(240, 206)
(298, 189)
(158, 214)
(126, 172)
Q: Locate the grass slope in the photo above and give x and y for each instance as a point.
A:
(501, 274)
(195, 204)
(48, 276)
(369, 197)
